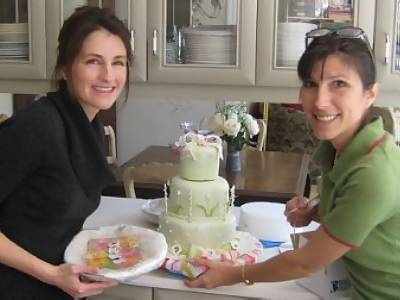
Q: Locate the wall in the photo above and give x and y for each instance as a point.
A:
(6, 105)
(143, 121)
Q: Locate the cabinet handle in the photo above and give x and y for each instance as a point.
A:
(387, 48)
(155, 39)
(133, 42)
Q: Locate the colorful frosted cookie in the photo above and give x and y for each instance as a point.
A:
(113, 253)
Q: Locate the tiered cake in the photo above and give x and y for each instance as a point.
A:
(197, 214)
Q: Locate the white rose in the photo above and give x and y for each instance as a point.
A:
(231, 127)
(214, 123)
(251, 125)
(232, 116)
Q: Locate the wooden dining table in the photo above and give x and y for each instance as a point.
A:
(265, 175)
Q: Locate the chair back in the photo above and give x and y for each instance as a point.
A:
(155, 173)
(262, 135)
(386, 115)
(111, 150)
(395, 113)
(3, 117)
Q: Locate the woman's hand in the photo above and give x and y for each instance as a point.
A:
(218, 273)
(298, 213)
(66, 277)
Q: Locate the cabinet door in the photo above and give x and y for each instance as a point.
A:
(282, 25)
(202, 41)
(387, 44)
(131, 12)
(125, 292)
(164, 294)
(138, 29)
(22, 39)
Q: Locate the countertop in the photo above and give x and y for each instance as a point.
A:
(113, 210)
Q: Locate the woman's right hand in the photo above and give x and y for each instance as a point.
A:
(298, 213)
(66, 277)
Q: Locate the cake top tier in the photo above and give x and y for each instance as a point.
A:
(199, 156)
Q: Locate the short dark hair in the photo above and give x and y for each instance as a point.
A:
(356, 52)
(78, 27)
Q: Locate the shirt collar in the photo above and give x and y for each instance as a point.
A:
(360, 145)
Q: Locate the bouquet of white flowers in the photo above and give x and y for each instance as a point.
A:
(234, 125)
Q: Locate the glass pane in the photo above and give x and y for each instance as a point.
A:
(70, 5)
(201, 32)
(14, 30)
(121, 10)
(120, 7)
(397, 39)
(295, 18)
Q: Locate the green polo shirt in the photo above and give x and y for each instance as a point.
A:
(360, 207)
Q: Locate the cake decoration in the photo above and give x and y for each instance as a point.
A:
(113, 253)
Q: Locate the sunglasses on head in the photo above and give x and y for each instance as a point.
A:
(348, 32)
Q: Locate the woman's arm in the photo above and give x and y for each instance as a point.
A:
(64, 276)
(319, 252)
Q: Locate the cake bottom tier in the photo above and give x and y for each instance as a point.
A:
(213, 234)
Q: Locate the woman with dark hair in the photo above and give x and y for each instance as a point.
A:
(359, 209)
(52, 161)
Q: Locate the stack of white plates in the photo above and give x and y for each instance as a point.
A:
(211, 44)
(14, 41)
(291, 42)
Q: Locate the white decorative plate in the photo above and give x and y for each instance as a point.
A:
(152, 245)
(152, 209)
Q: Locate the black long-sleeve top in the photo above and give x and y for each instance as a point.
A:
(52, 171)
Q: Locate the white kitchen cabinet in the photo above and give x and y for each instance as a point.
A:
(231, 42)
(202, 42)
(126, 292)
(387, 44)
(164, 294)
(282, 25)
(22, 39)
(174, 58)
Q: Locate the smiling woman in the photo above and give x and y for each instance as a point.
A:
(359, 208)
(52, 161)
(98, 73)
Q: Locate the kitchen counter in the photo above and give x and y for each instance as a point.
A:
(161, 285)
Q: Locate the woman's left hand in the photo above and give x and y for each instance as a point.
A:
(66, 277)
(218, 273)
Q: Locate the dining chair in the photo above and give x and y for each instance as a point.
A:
(3, 117)
(395, 114)
(154, 172)
(262, 135)
(111, 152)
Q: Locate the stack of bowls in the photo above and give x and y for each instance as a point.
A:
(14, 41)
(291, 42)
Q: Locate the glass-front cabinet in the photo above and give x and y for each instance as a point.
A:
(387, 44)
(131, 12)
(202, 41)
(282, 25)
(22, 39)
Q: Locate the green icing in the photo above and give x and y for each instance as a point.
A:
(208, 212)
(178, 209)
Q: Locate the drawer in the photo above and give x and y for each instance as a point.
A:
(126, 292)
(164, 294)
